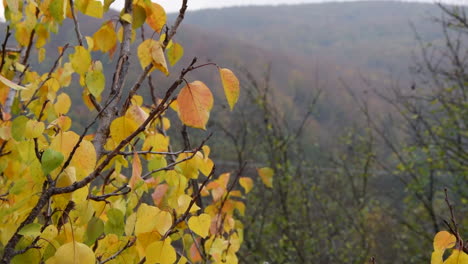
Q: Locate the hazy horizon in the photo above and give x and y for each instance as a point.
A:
(171, 6)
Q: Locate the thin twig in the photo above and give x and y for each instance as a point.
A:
(171, 165)
(4, 49)
(79, 36)
(129, 244)
(49, 75)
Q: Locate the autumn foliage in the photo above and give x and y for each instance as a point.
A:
(116, 191)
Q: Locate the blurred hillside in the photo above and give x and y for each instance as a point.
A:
(329, 47)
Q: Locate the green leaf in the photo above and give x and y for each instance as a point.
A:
(94, 230)
(18, 187)
(95, 81)
(115, 224)
(56, 9)
(175, 53)
(157, 163)
(33, 229)
(18, 126)
(51, 160)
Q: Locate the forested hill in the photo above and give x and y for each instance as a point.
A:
(310, 47)
(377, 35)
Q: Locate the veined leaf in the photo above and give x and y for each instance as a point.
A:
(195, 101)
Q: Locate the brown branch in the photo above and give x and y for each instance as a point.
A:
(122, 190)
(49, 75)
(79, 36)
(4, 48)
(118, 81)
(184, 216)
(171, 165)
(197, 245)
(129, 244)
(455, 230)
(177, 23)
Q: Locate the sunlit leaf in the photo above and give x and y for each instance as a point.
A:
(195, 101)
(230, 85)
(246, 183)
(73, 253)
(266, 174)
(200, 224)
(121, 128)
(105, 38)
(161, 252)
(155, 16)
(444, 240)
(80, 60)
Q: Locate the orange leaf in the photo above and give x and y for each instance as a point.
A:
(136, 171)
(155, 17)
(444, 240)
(195, 101)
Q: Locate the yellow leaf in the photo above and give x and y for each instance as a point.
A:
(121, 128)
(62, 123)
(230, 85)
(195, 102)
(444, 240)
(175, 53)
(155, 16)
(183, 203)
(96, 82)
(90, 7)
(190, 167)
(41, 53)
(164, 220)
(84, 159)
(66, 178)
(246, 183)
(80, 60)
(11, 84)
(90, 42)
(145, 219)
(33, 129)
(266, 174)
(200, 224)
(157, 142)
(105, 39)
(127, 17)
(144, 52)
(436, 257)
(74, 253)
(157, 55)
(206, 166)
(63, 104)
(161, 252)
(457, 257)
(136, 114)
(182, 260)
(42, 36)
(22, 34)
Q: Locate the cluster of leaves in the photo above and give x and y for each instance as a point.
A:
(117, 192)
(444, 240)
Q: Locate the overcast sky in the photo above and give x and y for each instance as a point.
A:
(174, 5)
